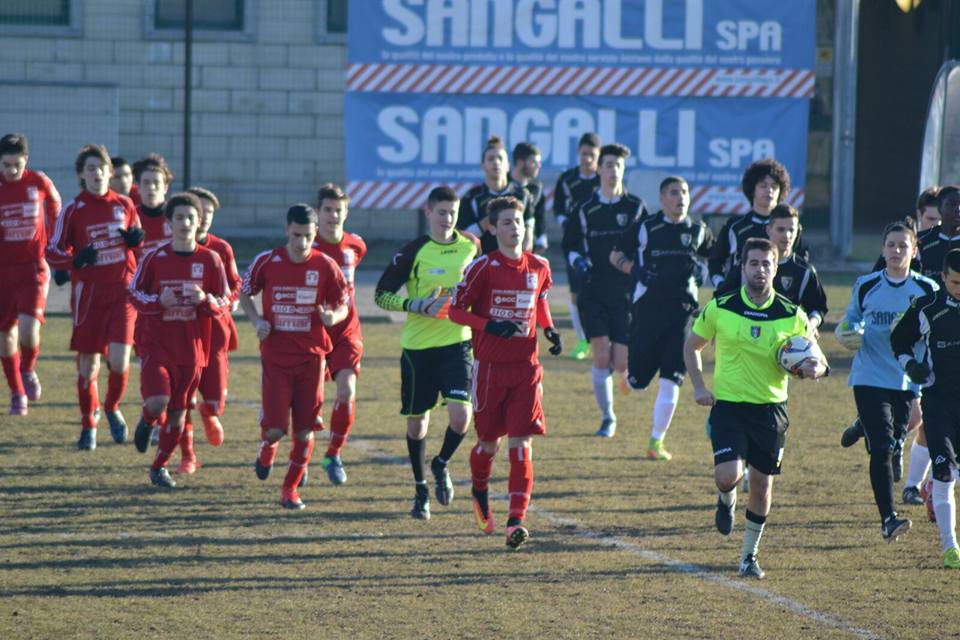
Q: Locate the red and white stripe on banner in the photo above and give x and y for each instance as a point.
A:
(730, 200)
(597, 81)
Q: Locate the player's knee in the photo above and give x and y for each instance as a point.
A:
(304, 435)
(726, 479)
(459, 415)
(490, 447)
(157, 405)
(272, 435)
(417, 428)
(345, 395)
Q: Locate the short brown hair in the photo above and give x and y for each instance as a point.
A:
(589, 139)
(783, 210)
(91, 151)
(928, 198)
(614, 149)
(14, 143)
(152, 162)
(907, 226)
(503, 203)
(759, 244)
(181, 199)
(331, 191)
(442, 194)
(205, 194)
(493, 142)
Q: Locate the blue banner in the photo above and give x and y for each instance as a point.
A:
(658, 33)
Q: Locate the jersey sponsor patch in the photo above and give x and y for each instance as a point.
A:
(306, 296)
(292, 323)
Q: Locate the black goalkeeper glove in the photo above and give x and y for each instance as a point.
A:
(87, 255)
(61, 277)
(918, 372)
(133, 237)
(557, 343)
(501, 328)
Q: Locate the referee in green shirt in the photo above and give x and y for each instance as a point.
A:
(437, 358)
(748, 420)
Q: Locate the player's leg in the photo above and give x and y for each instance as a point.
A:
(489, 422)
(454, 387)
(307, 405)
(10, 357)
(643, 362)
(29, 329)
(118, 362)
(602, 380)
(524, 415)
(919, 464)
(276, 393)
(213, 388)
(582, 349)
(341, 421)
(669, 345)
(520, 486)
(183, 387)
(619, 333)
(941, 419)
(88, 367)
(419, 388)
(729, 442)
(188, 456)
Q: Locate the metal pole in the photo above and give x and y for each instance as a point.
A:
(844, 126)
(187, 90)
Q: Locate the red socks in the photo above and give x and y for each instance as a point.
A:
(481, 466)
(89, 400)
(28, 358)
(115, 388)
(520, 483)
(340, 424)
(299, 458)
(267, 452)
(169, 437)
(11, 369)
(186, 441)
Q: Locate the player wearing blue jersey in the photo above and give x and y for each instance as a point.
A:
(882, 391)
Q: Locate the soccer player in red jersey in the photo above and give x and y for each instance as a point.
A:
(95, 238)
(121, 180)
(29, 206)
(153, 177)
(304, 293)
(503, 297)
(343, 363)
(178, 289)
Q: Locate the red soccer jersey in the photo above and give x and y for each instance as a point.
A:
(347, 254)
(178, 334)
(292, 292)
(224, 335)
(156, 228)
(95, 220)
(495, 287)
(28, 209)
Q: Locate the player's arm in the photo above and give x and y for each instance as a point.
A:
(253, 283)
(133, 235)
(540, 223)
(627, 247)
(717, 264)
(816, 367)
(561, 200)
(52, 203)
(529, 221)
(813, 299)
(214, 298)
(143, 294)
(545, 319)
(335, 305)
(703, 331)
(912, 327)
(800, 247)
(573, 245)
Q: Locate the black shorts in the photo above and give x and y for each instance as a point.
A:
(941, 421)
(424, 373)
(752, 432)
(604, 312)
(657, 334)
(884, 414)
(572, 280)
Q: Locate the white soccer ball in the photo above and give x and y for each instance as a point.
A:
(849, 335)
(794, 351)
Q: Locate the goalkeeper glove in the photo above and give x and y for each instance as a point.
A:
(918, 372)
(87, 255)
(849, 335)
(435, 305)
(133, 236)
(556, 342)
(581, 268)
(501, 328)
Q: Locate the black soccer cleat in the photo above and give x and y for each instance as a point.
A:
(141, 436)
(161, 478)
(911, 495)
(88, 440)
(263, 472)
(421, 503)
(444, 485)
(852, 434)
(118, 426)
(750, 569)
(894, 527)
(724, 517)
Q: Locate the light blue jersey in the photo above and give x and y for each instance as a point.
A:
(876, 304)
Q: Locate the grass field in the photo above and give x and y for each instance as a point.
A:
(621, 547)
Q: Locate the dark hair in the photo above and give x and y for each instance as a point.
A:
(945, 192)
(91, 151)
(14, 143)
(493, 142)
(783, 210)
(302, 213)
(503, 203)
(669, 180)
(758, 244)
(907, 226)
(759, 170)
(205, 194)
(523, 151)
(331, 191)
(119, 161)
(181, 199)
(442, 194)
(928, 197)
(589, 139)
(614, 149)
(153, 162)
(951, 261)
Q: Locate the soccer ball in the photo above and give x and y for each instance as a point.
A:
(794, 351)
(849, 335)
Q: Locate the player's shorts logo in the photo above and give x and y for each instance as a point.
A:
(196, 270)
(313, 278)
(786, 281)
(755, 332)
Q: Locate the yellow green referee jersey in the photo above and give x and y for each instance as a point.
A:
(747, 338)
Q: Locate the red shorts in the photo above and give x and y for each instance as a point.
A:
(23, 288)
(213, 380)
(346, 354)
(294, 389)
(101, 315)
(176, 381)
(507, 400)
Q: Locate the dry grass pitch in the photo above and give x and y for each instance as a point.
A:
(621, 547)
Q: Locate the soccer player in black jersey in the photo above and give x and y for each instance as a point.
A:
(937, 241)
(664, 253)
(573, 186)
(590, 234)
(766, 183)
(526, 168)
(496, 183)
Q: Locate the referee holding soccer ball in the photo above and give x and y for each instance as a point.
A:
(748, 418)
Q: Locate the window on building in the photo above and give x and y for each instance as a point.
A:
(36, 12)
(336, 16)
(208, 15)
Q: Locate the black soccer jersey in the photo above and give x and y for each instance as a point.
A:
(592, 232)
(675, 251)
(796, 280)
(572, 189)
(934, 245)
(737, 230)
(538, 200)
(473, 209)
(933, 319)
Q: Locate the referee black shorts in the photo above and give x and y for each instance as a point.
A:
(752, 432)
(604, 312)
(941, 422)
(657, 333)
(427, 373)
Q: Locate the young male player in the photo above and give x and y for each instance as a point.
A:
(343, 362)
(121, 180)
(933, 322)
(303, 294)
(503, 298)
(177, 290)
(590, 235)
(664, 253)
(153, 178)
(436, 354)
(748, 419)
(937, 241)
(573, 187)
(526, 168)
(96, 237)
(766, 183)
(29, 206)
